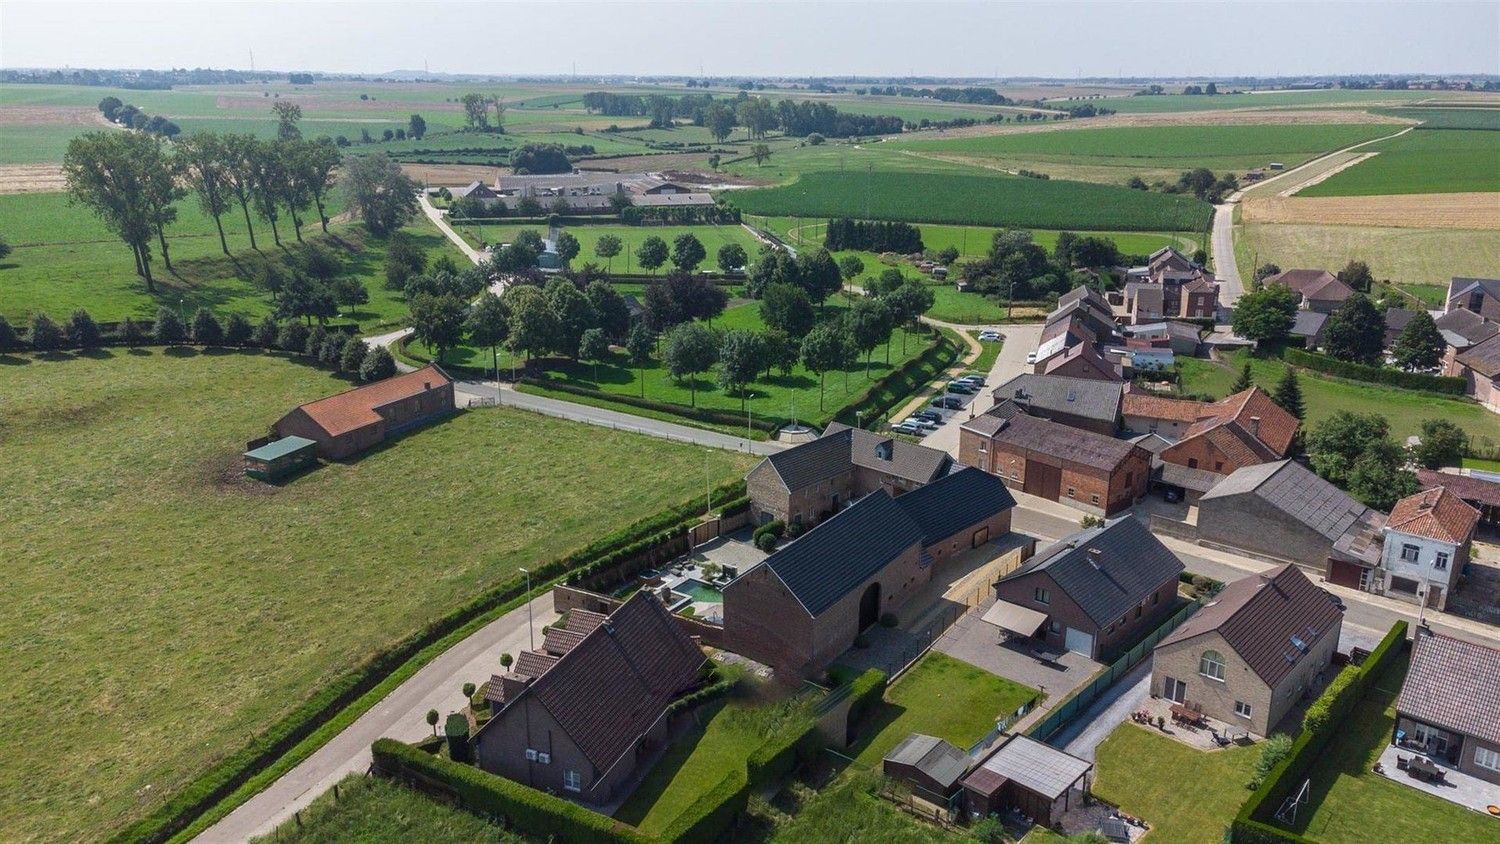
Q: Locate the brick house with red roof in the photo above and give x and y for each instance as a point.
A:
(1449, 706)
(1317, 290)
(352, 421)
(1428, 538)
(1245, 429)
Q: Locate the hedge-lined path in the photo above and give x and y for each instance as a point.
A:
(401, 715)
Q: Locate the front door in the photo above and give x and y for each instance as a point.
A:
(981, 536)
(1174, 690)
(1364, 579)
(1080, 642)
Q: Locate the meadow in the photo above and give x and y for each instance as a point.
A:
(65, 259)
(1449, 117)
(162, 609)
(1421, 161)
(374, 810)
(976, 200)
(1112, 155)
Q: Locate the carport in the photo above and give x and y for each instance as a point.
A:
(1031, 777)
(1014, 618)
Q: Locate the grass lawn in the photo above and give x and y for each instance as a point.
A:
(1481, 464)
(986, 359)
(372, 810)
(851, 811)
(778, 397)
(630, 237)
(976, 199)
(1324, 396)
(162, 610)
(1188, 796)
(1421, 161)
(65, 259)
(971, 241)
(942, 697)
(1348, 800)
(1408, 256)
(696, 762)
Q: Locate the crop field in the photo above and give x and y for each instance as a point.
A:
(1422, 161)
(1263, 99)
(64, 259)
(1113, 155)
(1403, 255)
(977, 200)
(1447, 117)
(161, 609)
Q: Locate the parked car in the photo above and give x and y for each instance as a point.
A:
(924, 424)
(960, 387)
(907, 427)
(975, 381)
(989, 336)
(931, 416)
(948, 402)
(1031, 357)
(1171, 495)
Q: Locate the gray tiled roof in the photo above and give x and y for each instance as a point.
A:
(1299, 493)
(1063, 442)
(1483, 358)
(1453, 684)
(1459, 285)
(957, 501)
(842, 447)
(932, 756)
(846, 550)
(1465, 328)
(811, 462)
(1308, 323)
(1130, 562)
(1086, 397)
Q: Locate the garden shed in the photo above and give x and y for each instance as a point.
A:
(280, 458)
(1039, 781)
(928, 764)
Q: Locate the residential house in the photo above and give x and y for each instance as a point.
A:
(1449, 706)
(1317, 290)
(1093, 592)
(1095, 473)
(1182, 337)
(1085, 403)
(1395, 321)
(808, 483)
(1028, 776)
(1308, 325)
(1479, 366)
(928, 764)
(1166, 417)
(1427, 542)
(1476, 295)
(1170, 285)
(1084, 360)
(577, 716)
(804, 605)
(478, 192)
(1464, 329)
(1282, 511)
(1244, 429)
(352, 421)
(1251, 653)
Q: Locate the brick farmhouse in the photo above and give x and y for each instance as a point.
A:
(803, 606)
(352, 421)
(1095, 473)
(1248, 656)
(1245, 429)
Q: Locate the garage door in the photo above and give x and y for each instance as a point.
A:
(981, 536)
(1042, 480)
(1080, 642)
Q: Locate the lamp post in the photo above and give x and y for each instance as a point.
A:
(530, 634)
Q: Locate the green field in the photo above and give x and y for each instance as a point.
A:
(977, 200)
(1449, 118)
(630, 237)
(65, 259)
(373, 810)
(1421, 161)
(1348, 799)
(1403, 255)
(1188, 796)
(1263, 100)
(970, 241)
(1325, 396)
(1113, 155)
(162, 610)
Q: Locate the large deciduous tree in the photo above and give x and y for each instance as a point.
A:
(476, 110)
(488, 324)
(687, 252)
(438, 321)
(691, 348)
(204, 161)
(607, 247)
(574, 313)
(384, 197)
(823, 350)
(107, 172)
(1419, 345)
(1442, 444)
(742, 356)
(533, 324)
(788, 309)
(869, 325)
(1356, 331)
(1265, 315)
(652, 253)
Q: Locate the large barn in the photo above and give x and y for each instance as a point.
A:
(352, 421)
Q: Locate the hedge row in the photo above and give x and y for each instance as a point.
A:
(714, 812)
(896, 386)
(697, 414)
(1251, 824)
(224, 777)
(1443, 384)
(735, 507)
(867, 690)
(527, 809)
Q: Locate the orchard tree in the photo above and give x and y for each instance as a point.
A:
(1419, 345)
(691, 348)
(593, 347)
(652, 253)
(607, 247)
(824, 349)
(639, 345)
(1356, 331)
(732, 258)
(1265, 315)
(687, 252)
(742, 355)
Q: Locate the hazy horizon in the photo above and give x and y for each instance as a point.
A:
(1064, 40)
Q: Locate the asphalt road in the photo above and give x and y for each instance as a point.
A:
(1226, 269)
(1020, 340)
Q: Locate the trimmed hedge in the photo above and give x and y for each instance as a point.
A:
(1442, 384)
(898, 385)
(713, 813)
(1250, 825)
(698, 414)
(263, 750)
(735, 507)
(867, 690)
(527, 809)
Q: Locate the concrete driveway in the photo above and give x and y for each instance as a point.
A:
(1020, 340)
(982, 645)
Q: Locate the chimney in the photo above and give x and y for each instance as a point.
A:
(1095, 556)
(426, 385)
(1255, 427)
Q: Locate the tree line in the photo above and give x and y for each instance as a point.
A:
(131, 117)
(872, 236)
(757, 115)
(1018, 269)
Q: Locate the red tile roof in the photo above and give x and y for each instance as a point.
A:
(1464, 486)
(1229, 424)
(1157, 407)
(1435, 514)
(354, 409)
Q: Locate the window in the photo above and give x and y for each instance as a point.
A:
(1155, 598)
(983, 447)
(1093, 499)
(572, 781)
(1071, 492)
(1486, 758)
(1211, 665)
(1441, 561)
(1242, 709)
(1409, 553)
(1218, 465)
(1041, 596)
(1054, 627)
(1192, 462)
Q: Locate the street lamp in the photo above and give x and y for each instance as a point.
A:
(530, 635)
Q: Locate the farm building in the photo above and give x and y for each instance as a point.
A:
(350, 422)
(1244, 429)
(1085, 403)
(279, 458)
(1093, 472)
(1039, 781)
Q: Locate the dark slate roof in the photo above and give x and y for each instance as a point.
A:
(1465, 328)
(811, 462)
(1308, 323)
(1459, 286)
(1299, 493)
(1453, 684)
(1395, 320)
(907, 460)
(1086, 397)
(1483, 358)
(613, 685)
(1130, 562)
(932, 756)
(952, 503)
(835, 557)
(1263, 617)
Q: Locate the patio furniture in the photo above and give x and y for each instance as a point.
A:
(1182, 714)
(1402, 763)
(1423, 769)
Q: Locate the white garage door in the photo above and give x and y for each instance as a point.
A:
(1080, 642)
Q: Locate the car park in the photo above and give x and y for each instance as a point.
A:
(989, 336)
(975, 381)
(961, 388)
(948, 402)
(931, 416)
(1031, 357)
(924, 424)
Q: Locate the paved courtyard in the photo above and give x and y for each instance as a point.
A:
(982, 644)
(1457, 788)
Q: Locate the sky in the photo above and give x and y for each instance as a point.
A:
(1069, 39)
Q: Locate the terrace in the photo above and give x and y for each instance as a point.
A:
(1455, 787)
(693, 585)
